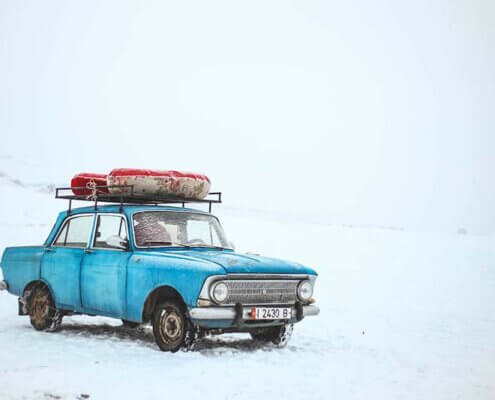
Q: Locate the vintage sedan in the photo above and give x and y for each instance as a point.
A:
(170, 266)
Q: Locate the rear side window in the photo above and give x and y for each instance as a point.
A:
(75, 232)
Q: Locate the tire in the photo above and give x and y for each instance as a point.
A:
(261, 336)
(42, 312)
(129, 324)
(169, 326)
(278, 335)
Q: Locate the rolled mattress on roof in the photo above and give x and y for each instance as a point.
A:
(84, 184)
(164, 183)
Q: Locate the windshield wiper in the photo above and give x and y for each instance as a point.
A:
(210, 246)
(164, 243)
(187, 246)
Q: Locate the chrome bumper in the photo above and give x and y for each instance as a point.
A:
(3, 285)
(230, 312)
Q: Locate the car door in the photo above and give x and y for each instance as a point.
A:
(104, 267)
(61, 263)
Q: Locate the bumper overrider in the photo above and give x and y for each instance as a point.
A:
(241, 294)
(3, 285)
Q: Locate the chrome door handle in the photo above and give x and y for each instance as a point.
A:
(88, 251)
(48, 250)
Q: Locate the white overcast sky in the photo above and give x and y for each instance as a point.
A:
(367, 112)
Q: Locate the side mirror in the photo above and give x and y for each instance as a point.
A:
(116, 242)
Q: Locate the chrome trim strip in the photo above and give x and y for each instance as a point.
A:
(269, 276)
(4, 285)
(212, 313)
(229, 312)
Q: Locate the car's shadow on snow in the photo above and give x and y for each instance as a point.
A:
(215, 345)
(143, 335)
(140, 335)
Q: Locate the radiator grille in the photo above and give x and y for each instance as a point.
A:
(261, 291)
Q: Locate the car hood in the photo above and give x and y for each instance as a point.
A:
(236, 263)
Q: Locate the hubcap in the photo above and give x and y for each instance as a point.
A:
(170, 326)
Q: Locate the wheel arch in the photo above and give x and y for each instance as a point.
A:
(37, 282)
(26, 292)
(157, 295)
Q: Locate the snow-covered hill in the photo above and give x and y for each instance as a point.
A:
(404, 316)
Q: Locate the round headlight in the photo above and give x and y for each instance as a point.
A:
(220, 292)
(305, 291)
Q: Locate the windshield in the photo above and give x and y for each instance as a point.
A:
(169, 228)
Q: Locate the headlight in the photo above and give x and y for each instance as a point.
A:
(305, 291)
(219, 292)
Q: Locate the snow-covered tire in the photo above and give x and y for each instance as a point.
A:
(278, 335)
(169, 326)
(42, 312)
(261, 336)
(283, 335)
(129, 324)
(56, 322)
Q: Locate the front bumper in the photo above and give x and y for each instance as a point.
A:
(241, 313)
(3, 285)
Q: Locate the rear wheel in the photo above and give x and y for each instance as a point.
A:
(278, 335)
(169, 325)
(42, 312)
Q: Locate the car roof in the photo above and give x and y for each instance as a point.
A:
(129, 209)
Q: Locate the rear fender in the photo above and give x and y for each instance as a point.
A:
(21, 265)
(26, 293)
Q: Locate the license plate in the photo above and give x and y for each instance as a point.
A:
(271, 313)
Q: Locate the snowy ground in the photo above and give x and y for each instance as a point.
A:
(404, 316)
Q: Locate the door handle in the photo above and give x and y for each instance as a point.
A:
(88, 251)
(48, 250)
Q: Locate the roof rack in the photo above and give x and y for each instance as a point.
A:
(126, 195)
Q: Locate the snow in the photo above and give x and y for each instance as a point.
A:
(403, 315)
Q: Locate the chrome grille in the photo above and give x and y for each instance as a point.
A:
(261, 291)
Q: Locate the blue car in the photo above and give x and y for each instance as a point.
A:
(170, 266)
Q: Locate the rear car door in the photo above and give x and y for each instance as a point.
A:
(104, 267)
(61, 263)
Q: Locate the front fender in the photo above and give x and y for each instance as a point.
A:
(147, 272)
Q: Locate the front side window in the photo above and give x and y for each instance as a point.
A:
(168, 228)
(75, 232)
(110, 232)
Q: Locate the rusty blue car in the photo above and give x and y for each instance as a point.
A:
(147, 262)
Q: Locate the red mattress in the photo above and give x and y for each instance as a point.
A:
(88, 182)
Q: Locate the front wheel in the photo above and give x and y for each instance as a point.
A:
(278, 335)
(169, 326)
(42, 312)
